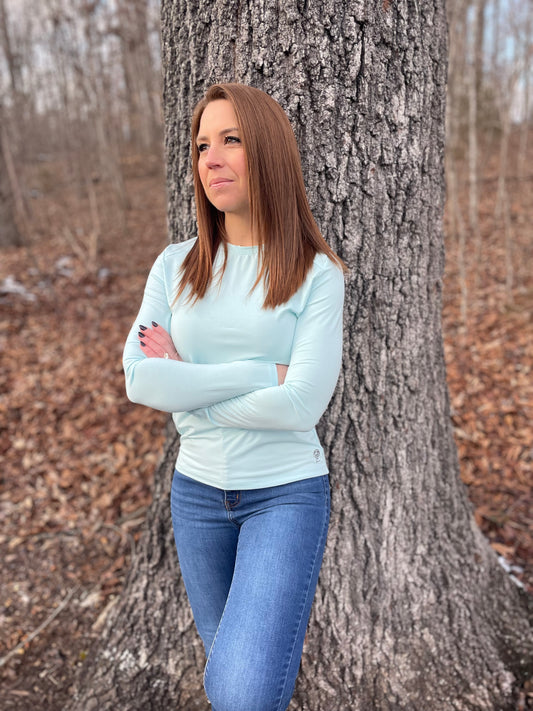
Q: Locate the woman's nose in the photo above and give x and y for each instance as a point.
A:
(213, 157)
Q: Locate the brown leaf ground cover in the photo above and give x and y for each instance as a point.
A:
(77, 458)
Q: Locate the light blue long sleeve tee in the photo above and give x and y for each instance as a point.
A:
(238, 428)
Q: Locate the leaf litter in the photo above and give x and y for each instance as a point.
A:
(78, 458)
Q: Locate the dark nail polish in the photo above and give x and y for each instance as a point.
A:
(143, 328)
(141, 335)
(143, 343)
(154, 324)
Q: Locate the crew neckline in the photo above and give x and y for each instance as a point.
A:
(251, 248)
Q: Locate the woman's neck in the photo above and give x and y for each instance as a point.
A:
(238, 229)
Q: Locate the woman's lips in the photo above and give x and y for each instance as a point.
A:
(217, 182)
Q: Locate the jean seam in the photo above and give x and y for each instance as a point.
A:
(214, 640)
(322, 538)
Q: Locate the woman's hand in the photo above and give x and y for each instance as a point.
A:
(282, 372)
(157, 343)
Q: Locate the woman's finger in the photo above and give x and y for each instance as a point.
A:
(149, 350)
(159, 336)
(157, 344)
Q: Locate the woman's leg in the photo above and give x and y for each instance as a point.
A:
(206, 540)
(254, 659)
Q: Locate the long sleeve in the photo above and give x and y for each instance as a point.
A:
(176, 386)
(312, 375)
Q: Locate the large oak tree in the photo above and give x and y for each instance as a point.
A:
(413, 611)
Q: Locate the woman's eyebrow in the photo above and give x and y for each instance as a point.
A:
(220, 133)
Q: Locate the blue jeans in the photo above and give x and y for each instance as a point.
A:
(250, 561)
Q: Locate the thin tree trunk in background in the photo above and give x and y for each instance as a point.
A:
(502, 210)
(492, 59)
(70, 111)
(458, 231)
(108, 151)
(9, 232)
(509, 243)
(502, 207)
(108, 158)
(525, 127)
(457, 22)
(14, 209)
(138, 72)
(459, 82)
(413, 611)
(13, 64)
(496, 34)
(527, 50)
(127, 53)
(479, 47)
(505, 123)
(473, 84)
(147, 77)
(504, 93)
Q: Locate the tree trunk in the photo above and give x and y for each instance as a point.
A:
(526, 51)
(479, 47)
(138, 72)
(473, 83)
(413, 611)
(9, 232)
(12, 62)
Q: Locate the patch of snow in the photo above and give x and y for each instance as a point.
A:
(11, 286)
(64, 266)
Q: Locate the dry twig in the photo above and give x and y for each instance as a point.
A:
(36, 632)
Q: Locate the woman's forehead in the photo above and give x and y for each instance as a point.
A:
(218, 116)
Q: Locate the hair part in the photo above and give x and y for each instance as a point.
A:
(281, 219)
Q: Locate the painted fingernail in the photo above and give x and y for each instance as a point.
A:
(154, 324)
(143, 328)
(143, 343)
(141, 335)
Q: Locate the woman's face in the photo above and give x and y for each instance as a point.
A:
(221, 159)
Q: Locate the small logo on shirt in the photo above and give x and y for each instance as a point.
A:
(316, 455)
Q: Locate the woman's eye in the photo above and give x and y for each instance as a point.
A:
(202, 147)
(232, 139)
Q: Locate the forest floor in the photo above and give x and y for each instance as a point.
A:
(77, 457)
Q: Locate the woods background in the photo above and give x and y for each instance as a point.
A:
(82, 216)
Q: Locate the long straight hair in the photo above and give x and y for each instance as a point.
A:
(282, 224)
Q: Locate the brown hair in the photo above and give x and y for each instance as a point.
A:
(282, 223)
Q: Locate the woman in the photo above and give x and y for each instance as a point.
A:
(240, 336)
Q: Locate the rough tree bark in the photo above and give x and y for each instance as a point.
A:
(413, 611)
